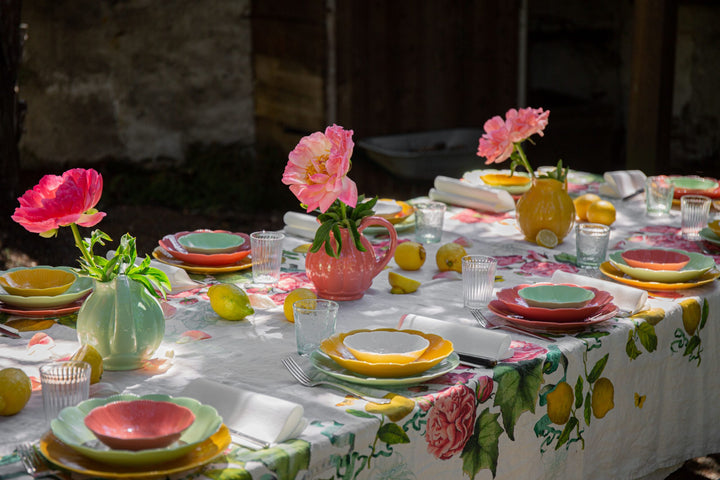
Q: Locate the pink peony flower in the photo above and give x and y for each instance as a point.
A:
(317, 169)
(524, 123)
(58, 201)
(495, 144)
(450, 422)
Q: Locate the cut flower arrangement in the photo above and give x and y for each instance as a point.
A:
(70, 200)
(316, 172)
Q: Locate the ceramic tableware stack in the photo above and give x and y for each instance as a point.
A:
(694, 185)
(205, 251)
(42, 291)
(177, 434)
(551, 307)
(660, 269)
(385, 356)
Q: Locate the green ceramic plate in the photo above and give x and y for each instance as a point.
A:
(327, 365)
(693, 183)
(556, 296)
(81, 287)
(710, 236)
(698, 265)
(211, 242)
(70, 428)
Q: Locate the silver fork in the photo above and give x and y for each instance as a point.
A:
(34, 465)
(297, 372)
(485, 324)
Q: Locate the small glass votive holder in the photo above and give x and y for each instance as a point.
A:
(266, 251)
(591, 241)
(429, 218)
(64, 384)
(314, 322)
(694, 213)
(658, 195)
(478, 279)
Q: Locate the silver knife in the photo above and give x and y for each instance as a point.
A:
(248, 441)
(9, 331)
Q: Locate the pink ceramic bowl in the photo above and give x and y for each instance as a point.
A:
(139, 424)
(655, 259)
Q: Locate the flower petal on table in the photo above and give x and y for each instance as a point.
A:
(192, 336)
(463, 241)
(261, 301)
(41, 339)
(35, 382)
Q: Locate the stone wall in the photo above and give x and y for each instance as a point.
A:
(134, 79)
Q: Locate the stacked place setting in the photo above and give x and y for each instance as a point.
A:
(385, 356)
(555, 308)
(42, 291)
(130, 436)
(205, 251)
(660, 269)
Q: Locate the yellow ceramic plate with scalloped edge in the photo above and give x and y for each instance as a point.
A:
(613, 272)
(437, 351)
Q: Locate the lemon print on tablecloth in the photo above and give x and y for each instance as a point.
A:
(230, 301)
(398, 408)
(294, 296)
(15, 390)
(559, 403)
(691, 315)
(603, 397)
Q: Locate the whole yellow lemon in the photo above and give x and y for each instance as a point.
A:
(15, 390)
(449, 257)
(410, 255)
(230, 301)
(294, 296)
(88, 353)
(601, 211)
(582, 203)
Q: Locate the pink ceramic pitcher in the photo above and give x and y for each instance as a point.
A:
(350, 275)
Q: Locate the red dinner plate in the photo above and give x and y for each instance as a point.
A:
(499, 308)
(170, 244)
(514, 303)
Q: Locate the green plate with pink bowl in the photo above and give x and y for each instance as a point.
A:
(69, 427)
(698, 265)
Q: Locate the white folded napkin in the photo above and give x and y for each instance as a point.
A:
(465, 339)
(300, 224)
(625, 297)
(479, 197)
(179, 279)
(621, 183)
(266, 418)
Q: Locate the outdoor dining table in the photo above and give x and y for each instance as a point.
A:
(643, 389)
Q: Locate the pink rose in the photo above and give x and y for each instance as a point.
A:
(523, 123)
(525, 351)
(450, 422)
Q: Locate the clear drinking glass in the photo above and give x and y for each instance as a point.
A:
(478, 277)
(694, 211)
(266, 248)
(429, 221)
(64, 384)
(658, 196)
(314, 322)
(591, 241)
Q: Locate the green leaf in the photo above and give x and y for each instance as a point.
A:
(481, 450)
(588, 408)
(322, 234)
(356, 237)
(630, 348)
(518, 389)
(578, 392)
(566, 258)
(338, 239)
(392, 434)
(554, 359)
(565, 435)
(542, 396)
(647, 336)
(692, 345)
(598, 369)
(359, 413)
(705, 313)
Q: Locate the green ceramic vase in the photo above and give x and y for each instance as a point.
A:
(122, 321)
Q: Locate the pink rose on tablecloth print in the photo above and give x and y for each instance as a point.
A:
(484, 388)
(506, 260)
(546, 269)
(525, 351)
(450, 422)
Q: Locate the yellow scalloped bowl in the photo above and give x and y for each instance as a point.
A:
(437, 351)
(504, 179)
(33, 282)
(400, 216)
(715, 226)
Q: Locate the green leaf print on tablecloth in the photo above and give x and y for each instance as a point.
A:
(643, 332)
(688, 338)
(481, 450)
(518, 388)
(285, 460)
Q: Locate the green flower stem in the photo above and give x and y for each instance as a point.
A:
(78, 242)
(523, 159)
(343, 211)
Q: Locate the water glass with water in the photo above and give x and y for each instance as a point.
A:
(314, 322)
(591, 241)
(429, 218)
(478, 277)
(658, 195)
(694, 212)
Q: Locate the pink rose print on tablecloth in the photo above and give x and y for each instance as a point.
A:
(525, 351)
(507, 260)
(450, 422)
(484, 388)
(469, 215)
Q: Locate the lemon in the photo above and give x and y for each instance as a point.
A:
(582, 203)
(559, 403)
(546, 238)
(401, 283)
(410, 255)
(601, 211)
(294, 296)
(449, 257)
(87, 353)
(230, 301)
(15, 390)
(691, 315)
(602, 397)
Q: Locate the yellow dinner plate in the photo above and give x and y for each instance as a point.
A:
(164, 257)
(611, 271)
(65, 457)
(436, 352)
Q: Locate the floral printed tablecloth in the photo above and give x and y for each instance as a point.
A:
(622, 399)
